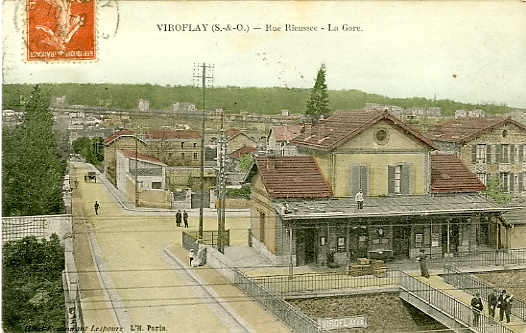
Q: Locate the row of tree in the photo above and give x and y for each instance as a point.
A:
(32, 168)
(91, 149)
(230, 99)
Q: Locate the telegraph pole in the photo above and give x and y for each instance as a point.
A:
(221, 189)
(200, 74)
(136, 172)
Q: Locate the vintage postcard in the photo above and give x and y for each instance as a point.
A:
(265, 166)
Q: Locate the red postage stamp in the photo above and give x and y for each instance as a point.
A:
(60, 30)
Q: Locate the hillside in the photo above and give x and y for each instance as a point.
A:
(230, 99)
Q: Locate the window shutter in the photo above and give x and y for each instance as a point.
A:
(391, 179)
(406, 179)
(498, 154)
(521, 152)
(512, 182)
(473, 154)
(512, 153)
(364, 179)
(488, 153)
(520, 182)
(354, 180)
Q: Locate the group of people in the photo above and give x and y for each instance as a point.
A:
(503, 302)
(183, 217)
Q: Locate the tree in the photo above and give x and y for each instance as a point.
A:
(91, 149)
(32, 291)
(493, 190)
(318, 104)
(245, 162)
(33, 172)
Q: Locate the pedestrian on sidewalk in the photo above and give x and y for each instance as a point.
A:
(477, 306)
(501, 304)
(359, 199)
(185, 218)
(96, 206)
(423, 266)
(178, 218)
(191, 256)
(492, 303)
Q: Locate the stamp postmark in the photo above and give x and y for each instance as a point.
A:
(60, 30)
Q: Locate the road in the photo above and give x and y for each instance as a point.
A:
(145, 289)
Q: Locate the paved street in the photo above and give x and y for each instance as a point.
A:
(148, 289)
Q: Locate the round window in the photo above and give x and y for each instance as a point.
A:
(504, 133)
(381, 136)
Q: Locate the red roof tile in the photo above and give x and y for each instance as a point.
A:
(465, 129)
(450, 175)
(241, 151)
(286, 133)
(232, 132)
(118, 134)
(292, 177)
(165, 135)
(343, 125)
(131, 154)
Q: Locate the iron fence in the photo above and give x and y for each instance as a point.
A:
(472, 284)
(498, 257)
(297, 283)
(290, 315)
(210, 237)
(446, 304)
(16, 228)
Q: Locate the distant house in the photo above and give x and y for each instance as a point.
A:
(237, 139)
(144, 105)
(477, 113)
(490, 146)
(175, 148)
(303, 207)
(278, 140)
(142, 179)
(122, 139)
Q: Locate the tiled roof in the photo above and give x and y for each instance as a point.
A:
(118, 134)
(450, 175)
(241, 151)
(343, 125)
(292, 177)
(166, 135)
(286, 133)
(464, 129)
(232, 132)
(131, 154)
(407, 205)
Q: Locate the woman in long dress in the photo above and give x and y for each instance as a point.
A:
(423, 267)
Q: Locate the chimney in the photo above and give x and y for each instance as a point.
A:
(308, 126)
(321, 127)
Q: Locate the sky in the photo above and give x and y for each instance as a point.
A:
(467, 51)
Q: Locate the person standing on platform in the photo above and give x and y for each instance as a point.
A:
(359, 199)
(191, 256)
(423, 266)
(477, 306)
(178, 218)
(507, 309)
(185, 218)
(492, 303)
(501, 304)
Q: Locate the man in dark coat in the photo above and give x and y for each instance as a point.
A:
(178, 218)
(501, 304)
(492, 303)
(185, 218)
(477, 306)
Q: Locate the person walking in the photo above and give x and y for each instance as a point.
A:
(423, 266)
(191, 256)
(492, 303)
(178, 218)
(477, 307)
(185, 218)
(359, 199)
(96, 206)
(501, 304)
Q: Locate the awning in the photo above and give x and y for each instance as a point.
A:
(416, 205)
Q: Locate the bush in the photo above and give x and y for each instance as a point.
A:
(32, 291)
(244, 191)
